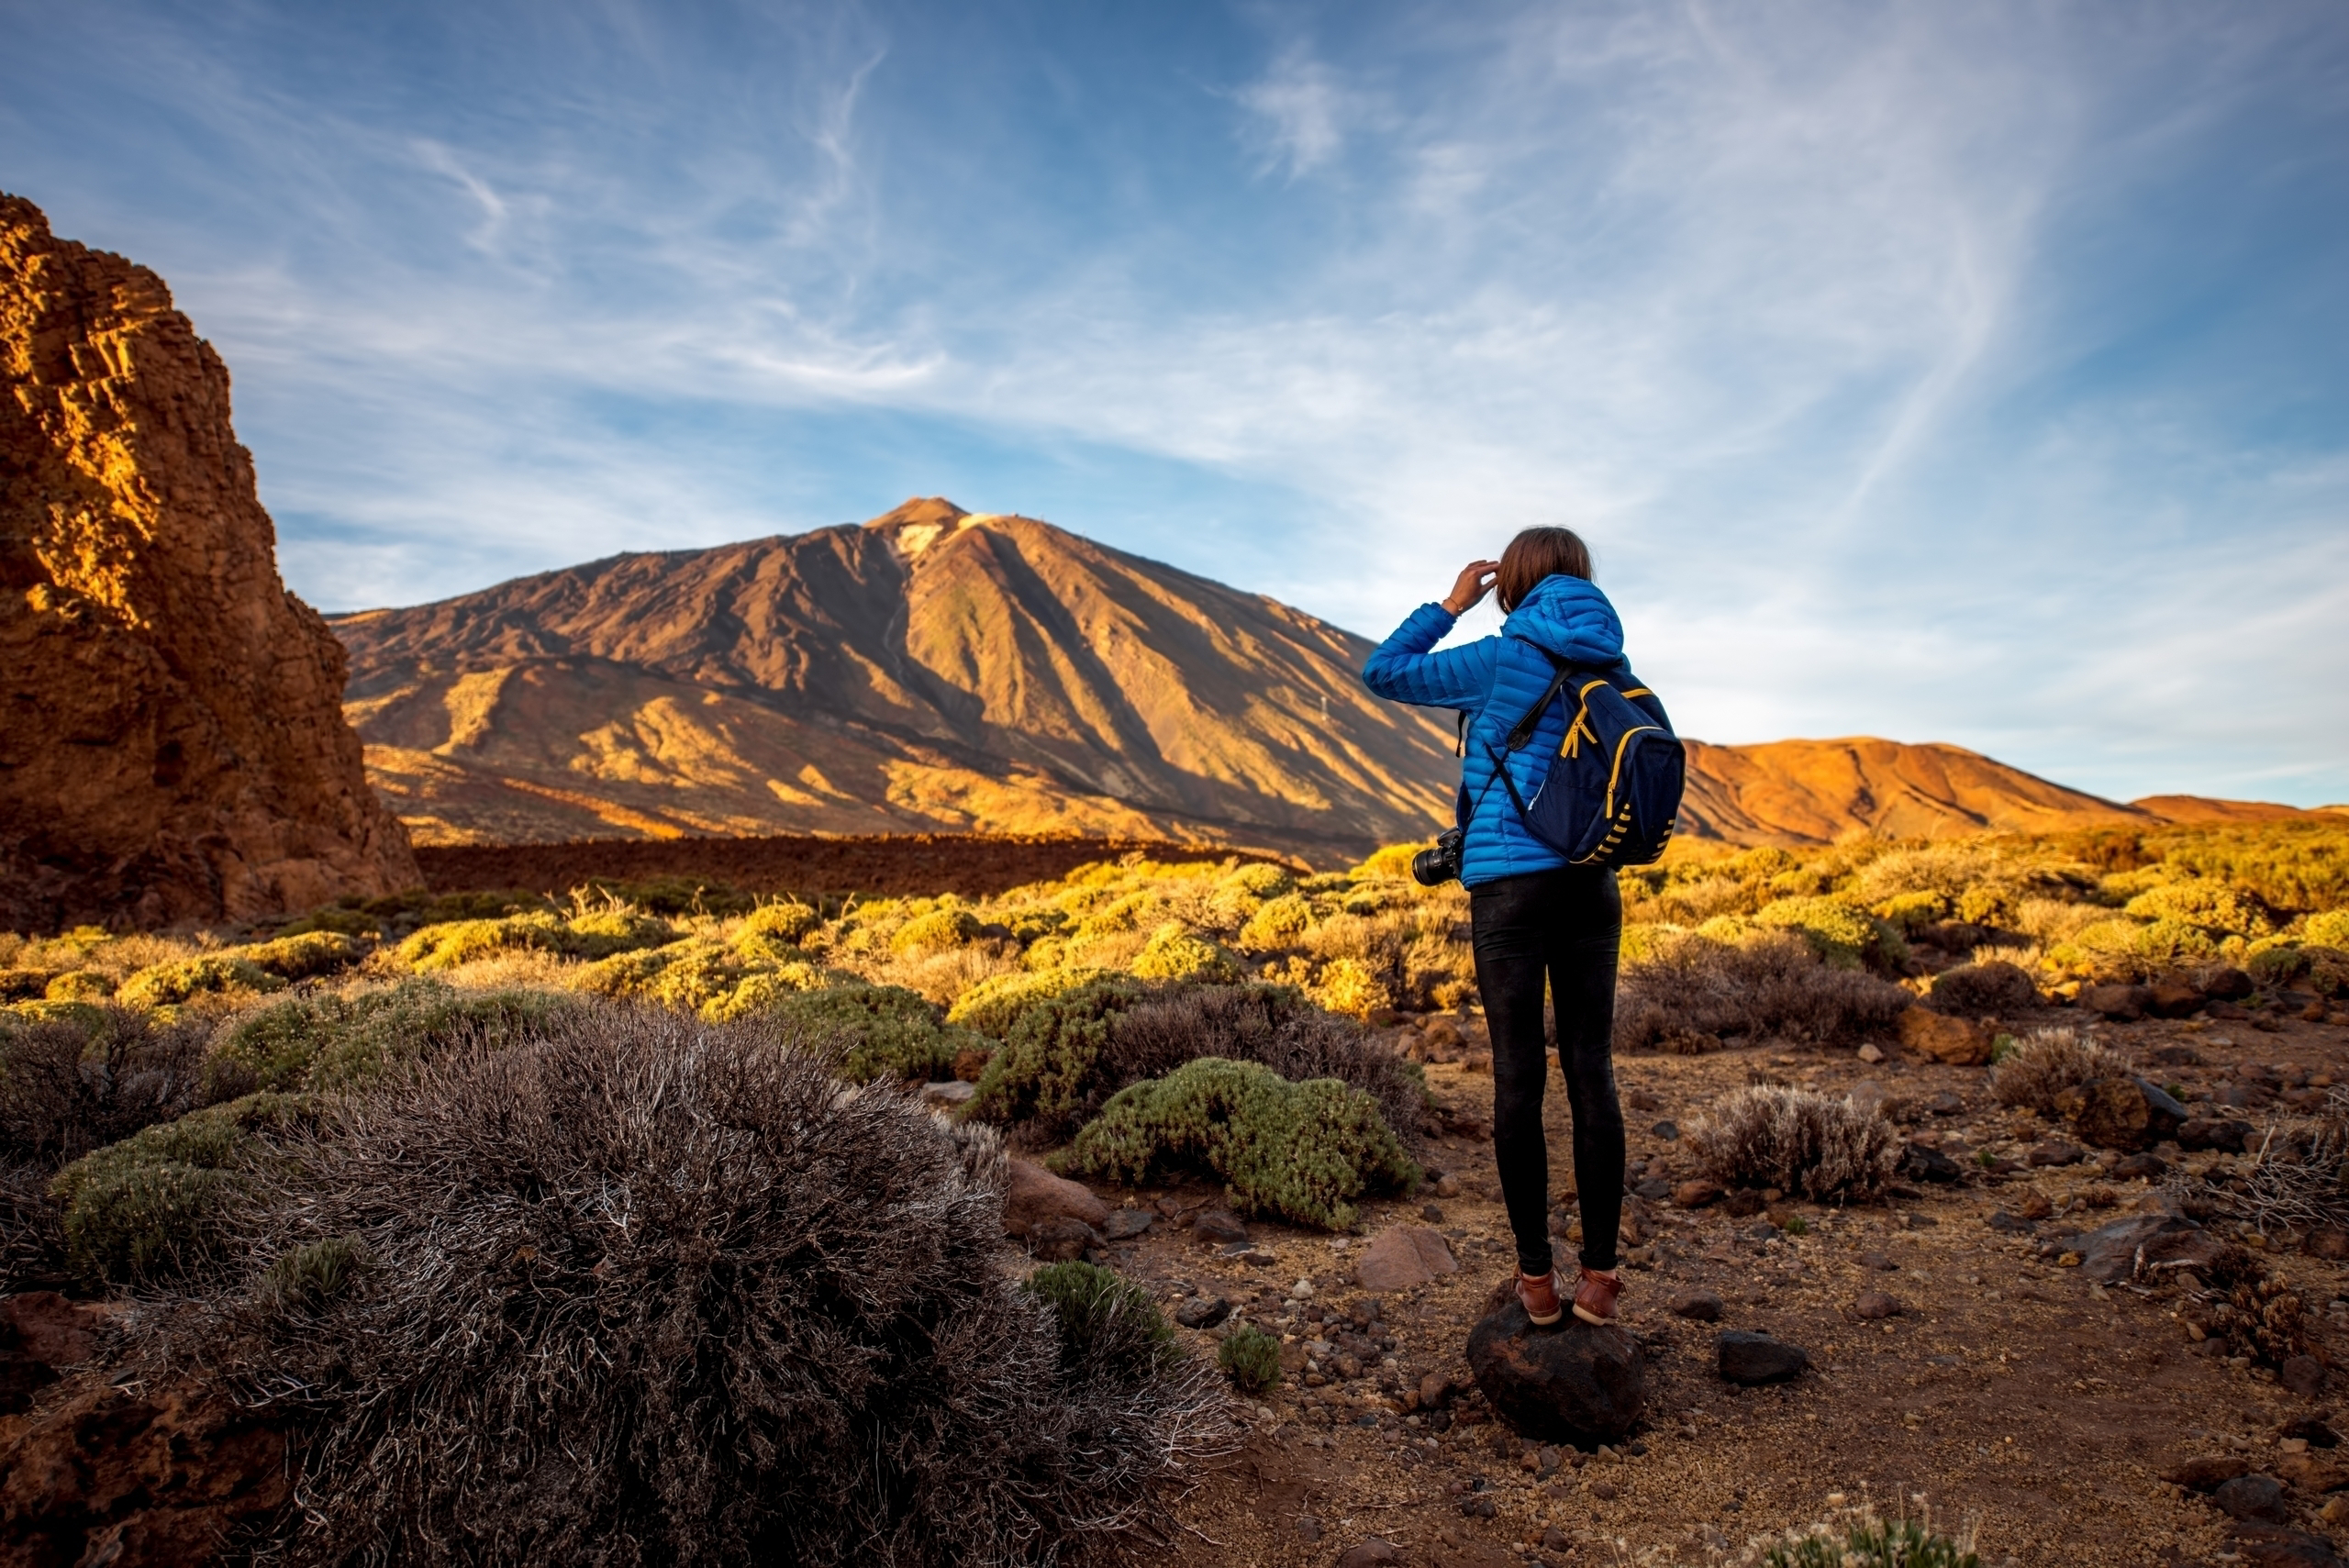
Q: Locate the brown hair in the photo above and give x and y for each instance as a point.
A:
(1537, 554)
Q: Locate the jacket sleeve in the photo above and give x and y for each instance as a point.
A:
(1402, 670)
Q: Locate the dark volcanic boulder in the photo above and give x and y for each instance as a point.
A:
(2144, 1244)
(2121, 1113)
(1750, 1358)
(1568, 1382)
(2227, 1136)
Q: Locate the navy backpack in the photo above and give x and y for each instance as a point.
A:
(1611, 796)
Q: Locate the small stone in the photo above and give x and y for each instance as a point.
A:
(2173, 1000)
(2204, 1473)
(2224, 1137)
(1434, 1389)
(2303, 1375)
(1876, 1261)
(2123, 1004)
(2153, 1242)
(2311, 1431)
(1125, 1224)
(1555, 1539)
(2140, 1168)
(1871, 1053)
(2264, 1545)
(1202, 1312)
(1059, 1238)
(1960, 1042)
(2226, 985)
(1753, 1359)
(1033, 1195)
(1218, 1224)
(1369, 1554)
(1920, 1164)
(2328, 1241)
(1667, 1131)
(1403, 1256)
(949, 1095)
(1695, 1194)
(1945, 1104)
(2258, 1497)
(1309, 1528)
(2121, 1113)
(1875, 1305)
(1703, 1306)
(1655, 1189)
(1432, 1213)
(1605, 1491)
(1301, 1291)
(1447, 1185)
(2057, 1154)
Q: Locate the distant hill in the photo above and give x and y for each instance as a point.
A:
(934, 669)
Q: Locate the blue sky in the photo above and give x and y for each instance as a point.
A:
(1974, 372)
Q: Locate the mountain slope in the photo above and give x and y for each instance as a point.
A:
(931, 669)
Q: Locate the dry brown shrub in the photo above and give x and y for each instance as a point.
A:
(2046, 1062)
(1693, 992)
(1796, 1140)
(2294, 1182)
(652, 1290)
(1986, 987)
(65, 1089)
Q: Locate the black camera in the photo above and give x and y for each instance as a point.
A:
(1433, 868)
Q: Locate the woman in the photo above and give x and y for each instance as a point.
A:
(1534, 916)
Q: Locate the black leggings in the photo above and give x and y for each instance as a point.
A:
(1565, 924)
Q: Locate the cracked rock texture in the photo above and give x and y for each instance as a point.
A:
(172, 739)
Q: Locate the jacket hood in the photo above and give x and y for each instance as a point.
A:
(1570, 617)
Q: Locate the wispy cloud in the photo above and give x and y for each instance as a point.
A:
(1868, 343)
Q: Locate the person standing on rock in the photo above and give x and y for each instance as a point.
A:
(1535, 918)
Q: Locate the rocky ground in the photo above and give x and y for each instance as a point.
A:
(2006, 1389)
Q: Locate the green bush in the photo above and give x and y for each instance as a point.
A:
(153, 1205)
(598, 934)
(881, 1031)
(994, 1004)
(329, 1042)
(165, 985)
(2209, 905)
(1251, 1357)
(1282, 923)
(1301, 1151)
(1909, 913)
(1843, 936)
(789, 920)
(1871, 1542)
(301, 957)
(689, 975)
(948, 928)
(1105, 1322)
(78, 985)
(761, 990)
(2329, 929)
(312, 1276)
(1174, 954)
(1047, 1072)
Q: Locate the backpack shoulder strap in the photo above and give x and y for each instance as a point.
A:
(1522, 731)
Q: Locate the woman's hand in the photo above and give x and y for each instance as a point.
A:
(1476, 581)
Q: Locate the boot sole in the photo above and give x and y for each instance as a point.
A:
(1593, 1318)
(1539, 1322)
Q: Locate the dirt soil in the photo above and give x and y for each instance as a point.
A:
(2009, 1392)
(890, 866)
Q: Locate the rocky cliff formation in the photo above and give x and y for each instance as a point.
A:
(171, 743)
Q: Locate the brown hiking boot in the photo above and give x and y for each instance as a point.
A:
(1595, 1297)
(1539, 1293)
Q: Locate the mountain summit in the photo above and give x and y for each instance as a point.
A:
(932, 669)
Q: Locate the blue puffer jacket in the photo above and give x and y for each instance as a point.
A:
(1494, 682)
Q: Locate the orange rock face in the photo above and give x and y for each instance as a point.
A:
(171, 740)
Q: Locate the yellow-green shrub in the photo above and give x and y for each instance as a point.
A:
(761, 992)
(79, 986)
(454, 942)
(1347, 985)
(789, 921)
(1281, 923)
(994, 1004)
(2330, 929)
(323, 1042)
(2215, 909)
(948, 927)
(1842, 934)
(165, 985)
(1909, 913)
(1174, 954)
(301, 957)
